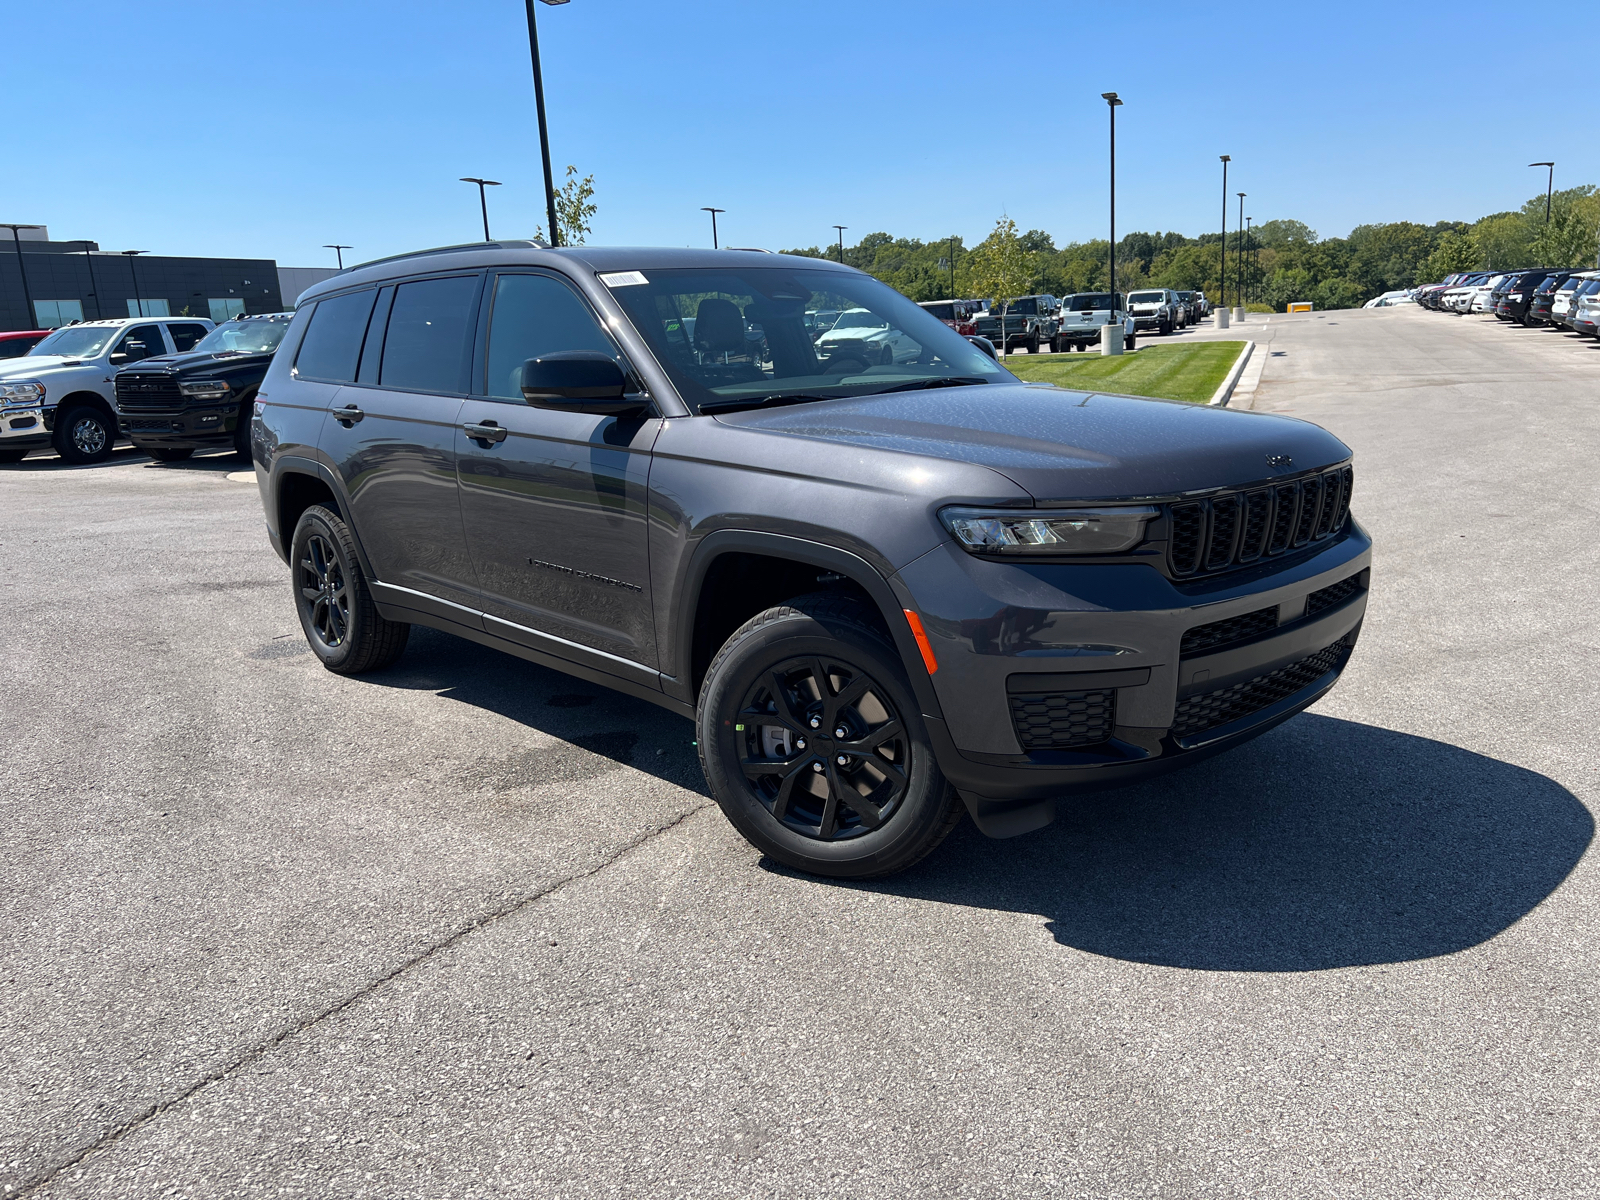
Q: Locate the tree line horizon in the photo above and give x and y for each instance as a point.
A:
(1286, 260)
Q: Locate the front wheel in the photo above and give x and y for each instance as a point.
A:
(813, 743)
(85, 435)
(341, 622)
(1131, 344)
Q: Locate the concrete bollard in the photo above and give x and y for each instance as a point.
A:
(1238, 314)
(1219, 318)
(1111, 339)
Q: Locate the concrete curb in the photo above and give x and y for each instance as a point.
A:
(1225, 389)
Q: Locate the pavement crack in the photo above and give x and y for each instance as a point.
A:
(372, 987)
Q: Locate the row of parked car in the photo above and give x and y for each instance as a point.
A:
(1557, 297)
(1072, 322)
(170, 385)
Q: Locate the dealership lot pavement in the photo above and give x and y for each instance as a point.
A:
(472, 929)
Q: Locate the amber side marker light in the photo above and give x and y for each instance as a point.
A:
(921, 634)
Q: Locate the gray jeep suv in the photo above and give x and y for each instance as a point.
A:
(886, 591)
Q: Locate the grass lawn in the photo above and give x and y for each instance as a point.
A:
(1190, 372)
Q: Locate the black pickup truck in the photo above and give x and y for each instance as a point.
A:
(1029, 321)
(172, 405)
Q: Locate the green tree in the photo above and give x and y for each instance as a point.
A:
(1454, 253)
(999, 268)
(1568, 238)
(574, 208)
(1504, 240)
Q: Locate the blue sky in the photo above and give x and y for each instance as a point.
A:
(268, 129)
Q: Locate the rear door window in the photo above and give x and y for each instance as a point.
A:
(140, 342)
(332, 343)
(185, 336)
(425, 346)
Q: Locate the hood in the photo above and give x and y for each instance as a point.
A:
(859, 334)
(34, 364)
(1059, 445)
(172, 363)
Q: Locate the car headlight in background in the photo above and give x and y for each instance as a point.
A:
(204, 389)
(1057, 531)
(26, 391)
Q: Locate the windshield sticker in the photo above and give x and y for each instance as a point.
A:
(624, 279)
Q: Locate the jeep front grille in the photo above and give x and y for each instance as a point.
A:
(1236, 529)
(1210, 709)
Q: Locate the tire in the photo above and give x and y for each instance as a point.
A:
(1131, 344)
(12, 456)
(887, 357)
(1033, 344)
(337, 613)
(163, 455)
(84, 435)
(766, 674)
(241, 434)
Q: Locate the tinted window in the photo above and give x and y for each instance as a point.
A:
(333, 340)
(424, 348)
(142, 341)
(536, 315)
(185, 336)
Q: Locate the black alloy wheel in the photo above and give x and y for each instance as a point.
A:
(84, 435)
(813, 744)
(822, 748)
(341, 621)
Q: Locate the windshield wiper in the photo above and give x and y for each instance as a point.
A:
(776, 399)
(921, 384)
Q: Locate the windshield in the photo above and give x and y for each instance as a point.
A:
(945, 311)
(1028, 306)
(1089, 301)
(730, 334)
(244, 337)
(78, 341)
(1146, 298)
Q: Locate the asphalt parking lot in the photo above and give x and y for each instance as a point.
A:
(469, 928)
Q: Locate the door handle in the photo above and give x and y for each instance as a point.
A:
(348, 415)
(484, 431)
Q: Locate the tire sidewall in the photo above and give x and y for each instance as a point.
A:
(68, 449)
(733, 675)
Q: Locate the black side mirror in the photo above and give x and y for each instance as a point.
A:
(984, 344)
(579, 381)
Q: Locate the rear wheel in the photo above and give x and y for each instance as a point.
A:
(85, 435)
(1033, 344)
(241, 435)
(812, 742)
(341, 622)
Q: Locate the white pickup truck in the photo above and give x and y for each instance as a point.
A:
(60, 395)
(1085, 314)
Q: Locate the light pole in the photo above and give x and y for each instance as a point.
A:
(94, 288)
(544, 129)
(339, 250)
(27, 296)
(138, 300)
(1238, 288)
(1112, 104)
(841, 229)
(952, 267)
(1549, 187)
(483, 203)
(713, 212)
(1251, 252)
(1222, 286)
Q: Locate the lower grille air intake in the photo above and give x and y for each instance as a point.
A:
(1063, 720)
(1211, 709)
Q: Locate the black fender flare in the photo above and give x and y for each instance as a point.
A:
(691, 581)
(295, 464)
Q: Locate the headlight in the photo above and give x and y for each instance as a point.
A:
(1059, 531)
(207, 389)
(28, 391)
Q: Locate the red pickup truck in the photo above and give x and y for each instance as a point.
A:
(19, 341)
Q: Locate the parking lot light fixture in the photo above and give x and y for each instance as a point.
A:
(1250, 254)
(138, 300)
(482, 202)
(1549, 187)
(841, 229)
(16, 242)
(713, 212)
(1112, 104)
(94, 288)
(952, 268)
(340, 249)
(1222, 285)
(1238, 288)
(544, 129)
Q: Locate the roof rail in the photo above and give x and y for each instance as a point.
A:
(503, 244)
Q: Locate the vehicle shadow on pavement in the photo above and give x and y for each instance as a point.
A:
(596, 719)
(1326, 843)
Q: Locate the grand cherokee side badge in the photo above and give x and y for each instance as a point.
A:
(1279, 460)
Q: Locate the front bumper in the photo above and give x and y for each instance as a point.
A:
(179, 429)
(24, 428)
(1147, 321)
(1013, 639)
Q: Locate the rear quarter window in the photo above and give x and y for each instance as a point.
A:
(332, 343)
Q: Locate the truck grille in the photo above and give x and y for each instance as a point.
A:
(1333, 595)
(1210, 709)
(147, 391)
(1063, 720)
(1234, 629)
(1236, 529)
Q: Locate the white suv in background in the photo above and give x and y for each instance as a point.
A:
(59, 395)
